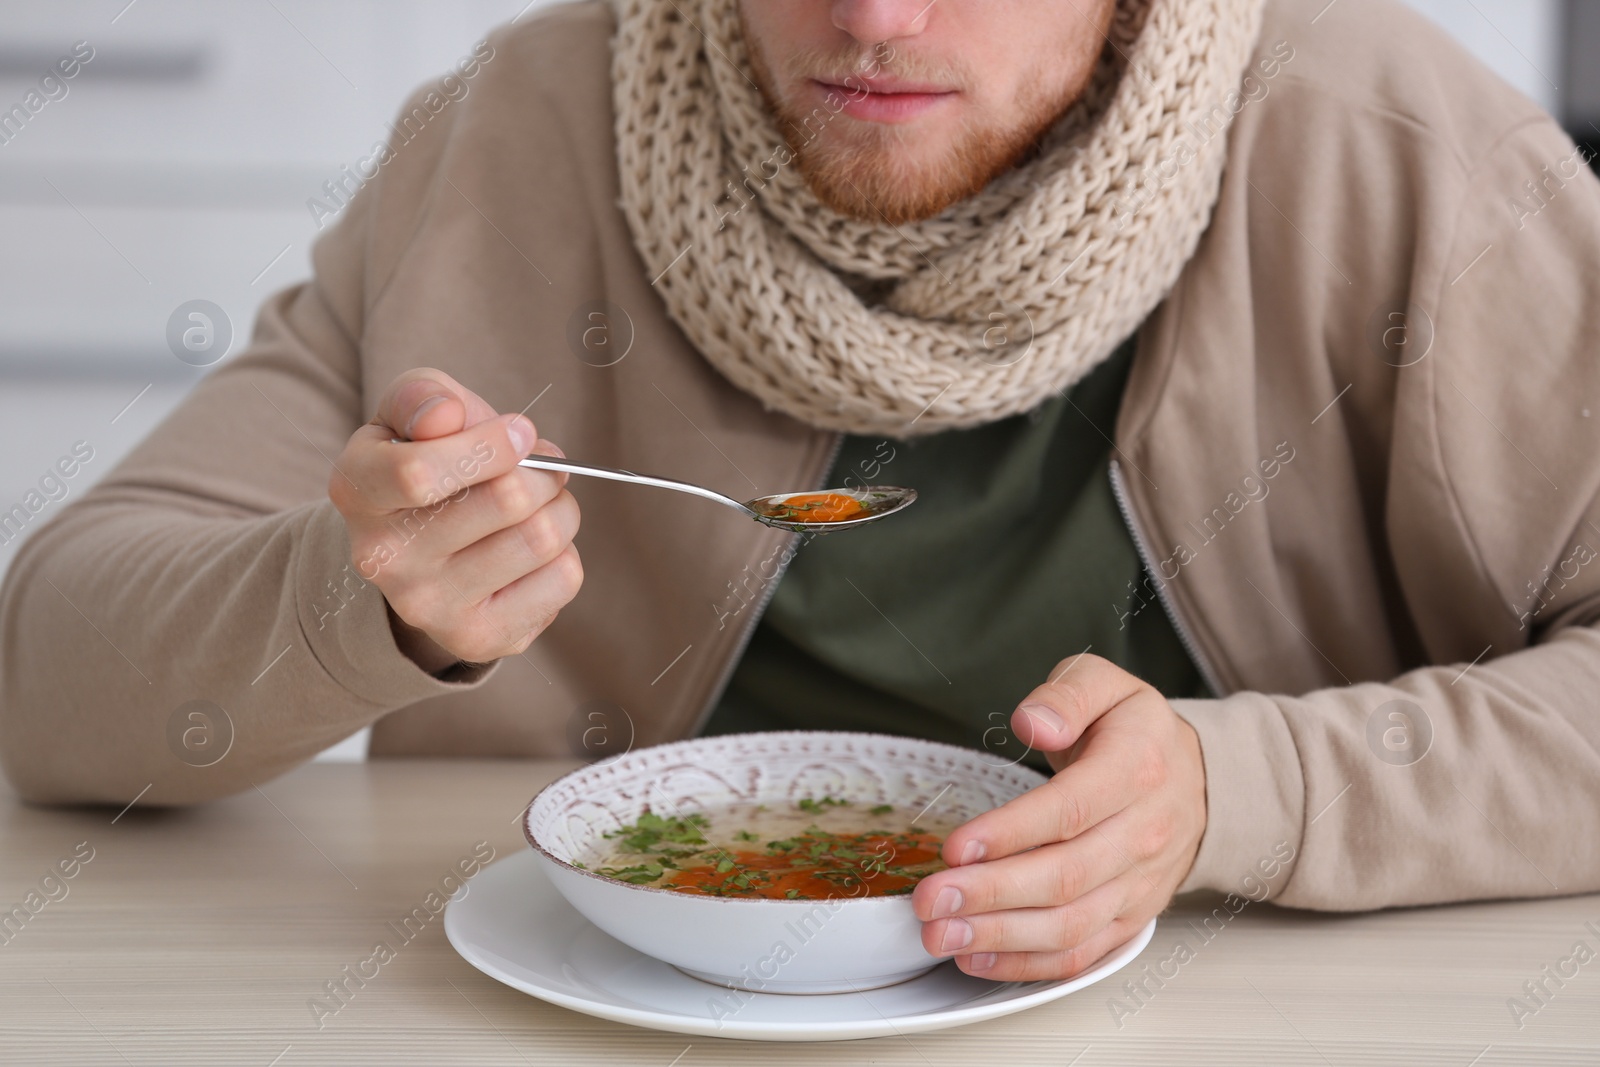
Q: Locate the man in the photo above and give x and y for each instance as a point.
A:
(1316, 626)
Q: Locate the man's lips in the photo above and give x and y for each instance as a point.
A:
(884, 99)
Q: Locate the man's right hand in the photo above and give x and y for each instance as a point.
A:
(473, 553)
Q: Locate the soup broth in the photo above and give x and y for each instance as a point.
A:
(816, 849)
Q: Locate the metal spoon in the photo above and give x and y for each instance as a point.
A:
(879, 501)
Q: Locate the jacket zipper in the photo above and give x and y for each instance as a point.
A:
(1119, 490)
(760, 609)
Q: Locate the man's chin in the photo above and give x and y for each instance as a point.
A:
(889, 206)
(907, 172)
(884, 186)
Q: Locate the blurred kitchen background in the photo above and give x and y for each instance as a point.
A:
(178, 165)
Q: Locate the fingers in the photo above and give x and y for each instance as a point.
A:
(506, 623)
(489, 508)
(387, 476)
(425, 403)
(1052, 965)
(1115, 723)
(491, 563)
(1110, 777)
(1038, 878)
(1080, 690)
(1048, 929)
(493, 597)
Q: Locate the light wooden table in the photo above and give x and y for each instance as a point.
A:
(200, 937)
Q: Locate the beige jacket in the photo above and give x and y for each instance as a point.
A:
(1353, 533)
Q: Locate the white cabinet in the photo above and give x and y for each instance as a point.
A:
(177, 164)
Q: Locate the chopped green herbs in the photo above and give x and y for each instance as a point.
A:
(639, 874)
(814, 805)
(651, 829)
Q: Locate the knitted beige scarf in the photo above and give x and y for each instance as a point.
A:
(996, 304)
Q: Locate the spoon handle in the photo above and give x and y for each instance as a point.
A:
(594, 470)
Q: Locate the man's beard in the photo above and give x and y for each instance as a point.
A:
(868, 170)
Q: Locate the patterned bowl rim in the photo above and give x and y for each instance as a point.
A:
(1029, 776)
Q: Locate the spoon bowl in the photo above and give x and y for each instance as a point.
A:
(807, 511)
(788, 511)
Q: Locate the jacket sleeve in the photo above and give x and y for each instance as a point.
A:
(210, 567)
(1448, 784)
(1470, 780)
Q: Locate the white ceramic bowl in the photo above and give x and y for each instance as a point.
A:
(767, 946)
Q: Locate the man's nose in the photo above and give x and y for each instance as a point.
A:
(871, 21)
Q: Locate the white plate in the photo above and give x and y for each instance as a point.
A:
(515, 927)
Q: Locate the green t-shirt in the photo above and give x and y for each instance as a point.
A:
(936, 622)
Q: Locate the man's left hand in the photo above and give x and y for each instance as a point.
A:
(1045, 885)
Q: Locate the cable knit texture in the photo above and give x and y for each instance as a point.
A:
(988, 308)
